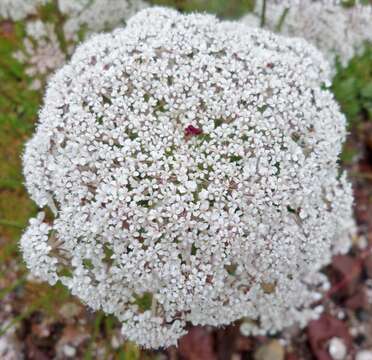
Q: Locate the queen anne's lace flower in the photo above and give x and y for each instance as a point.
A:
(97, 15)
(44, 51)
(338, 31)
(192, 168)
(18, 9)
(37, 248)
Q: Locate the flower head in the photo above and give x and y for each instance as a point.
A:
(233, 223)
(19, 9)
(48, 45)
(339, 32)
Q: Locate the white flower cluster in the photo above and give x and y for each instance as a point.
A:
(19, 9)
(338, 32)
(44, 52)
(192, 168)
(98, 15)
(37, 249)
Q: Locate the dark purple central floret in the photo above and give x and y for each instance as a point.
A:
(191, 130)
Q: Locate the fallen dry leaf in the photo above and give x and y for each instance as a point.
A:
(345, 275)
(322, 330)
(197, 345)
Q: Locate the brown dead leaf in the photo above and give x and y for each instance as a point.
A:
(367, 135)
(291, 356)
(6, 28)
(358, 301)
(197, 345)
(363, 206)
(244, 343)
(322, 330)
(34, 352)
(368, 266)
(41, 330)
(345, 276)
(73, 335)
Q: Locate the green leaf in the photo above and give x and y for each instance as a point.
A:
(367, 90)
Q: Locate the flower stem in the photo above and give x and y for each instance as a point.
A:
(263, 13)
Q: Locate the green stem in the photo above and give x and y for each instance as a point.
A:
(97, 323)
(278, 27)
(263, 13)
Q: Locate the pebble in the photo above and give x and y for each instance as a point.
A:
(10, 349)
(283, 342)
(341, 315)
(354, 331)
(364, 355)
(115, 342)
(69, 351)
(236, 357)
(272, 350)
(362, 242)
(69, 310)
(337, 349)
